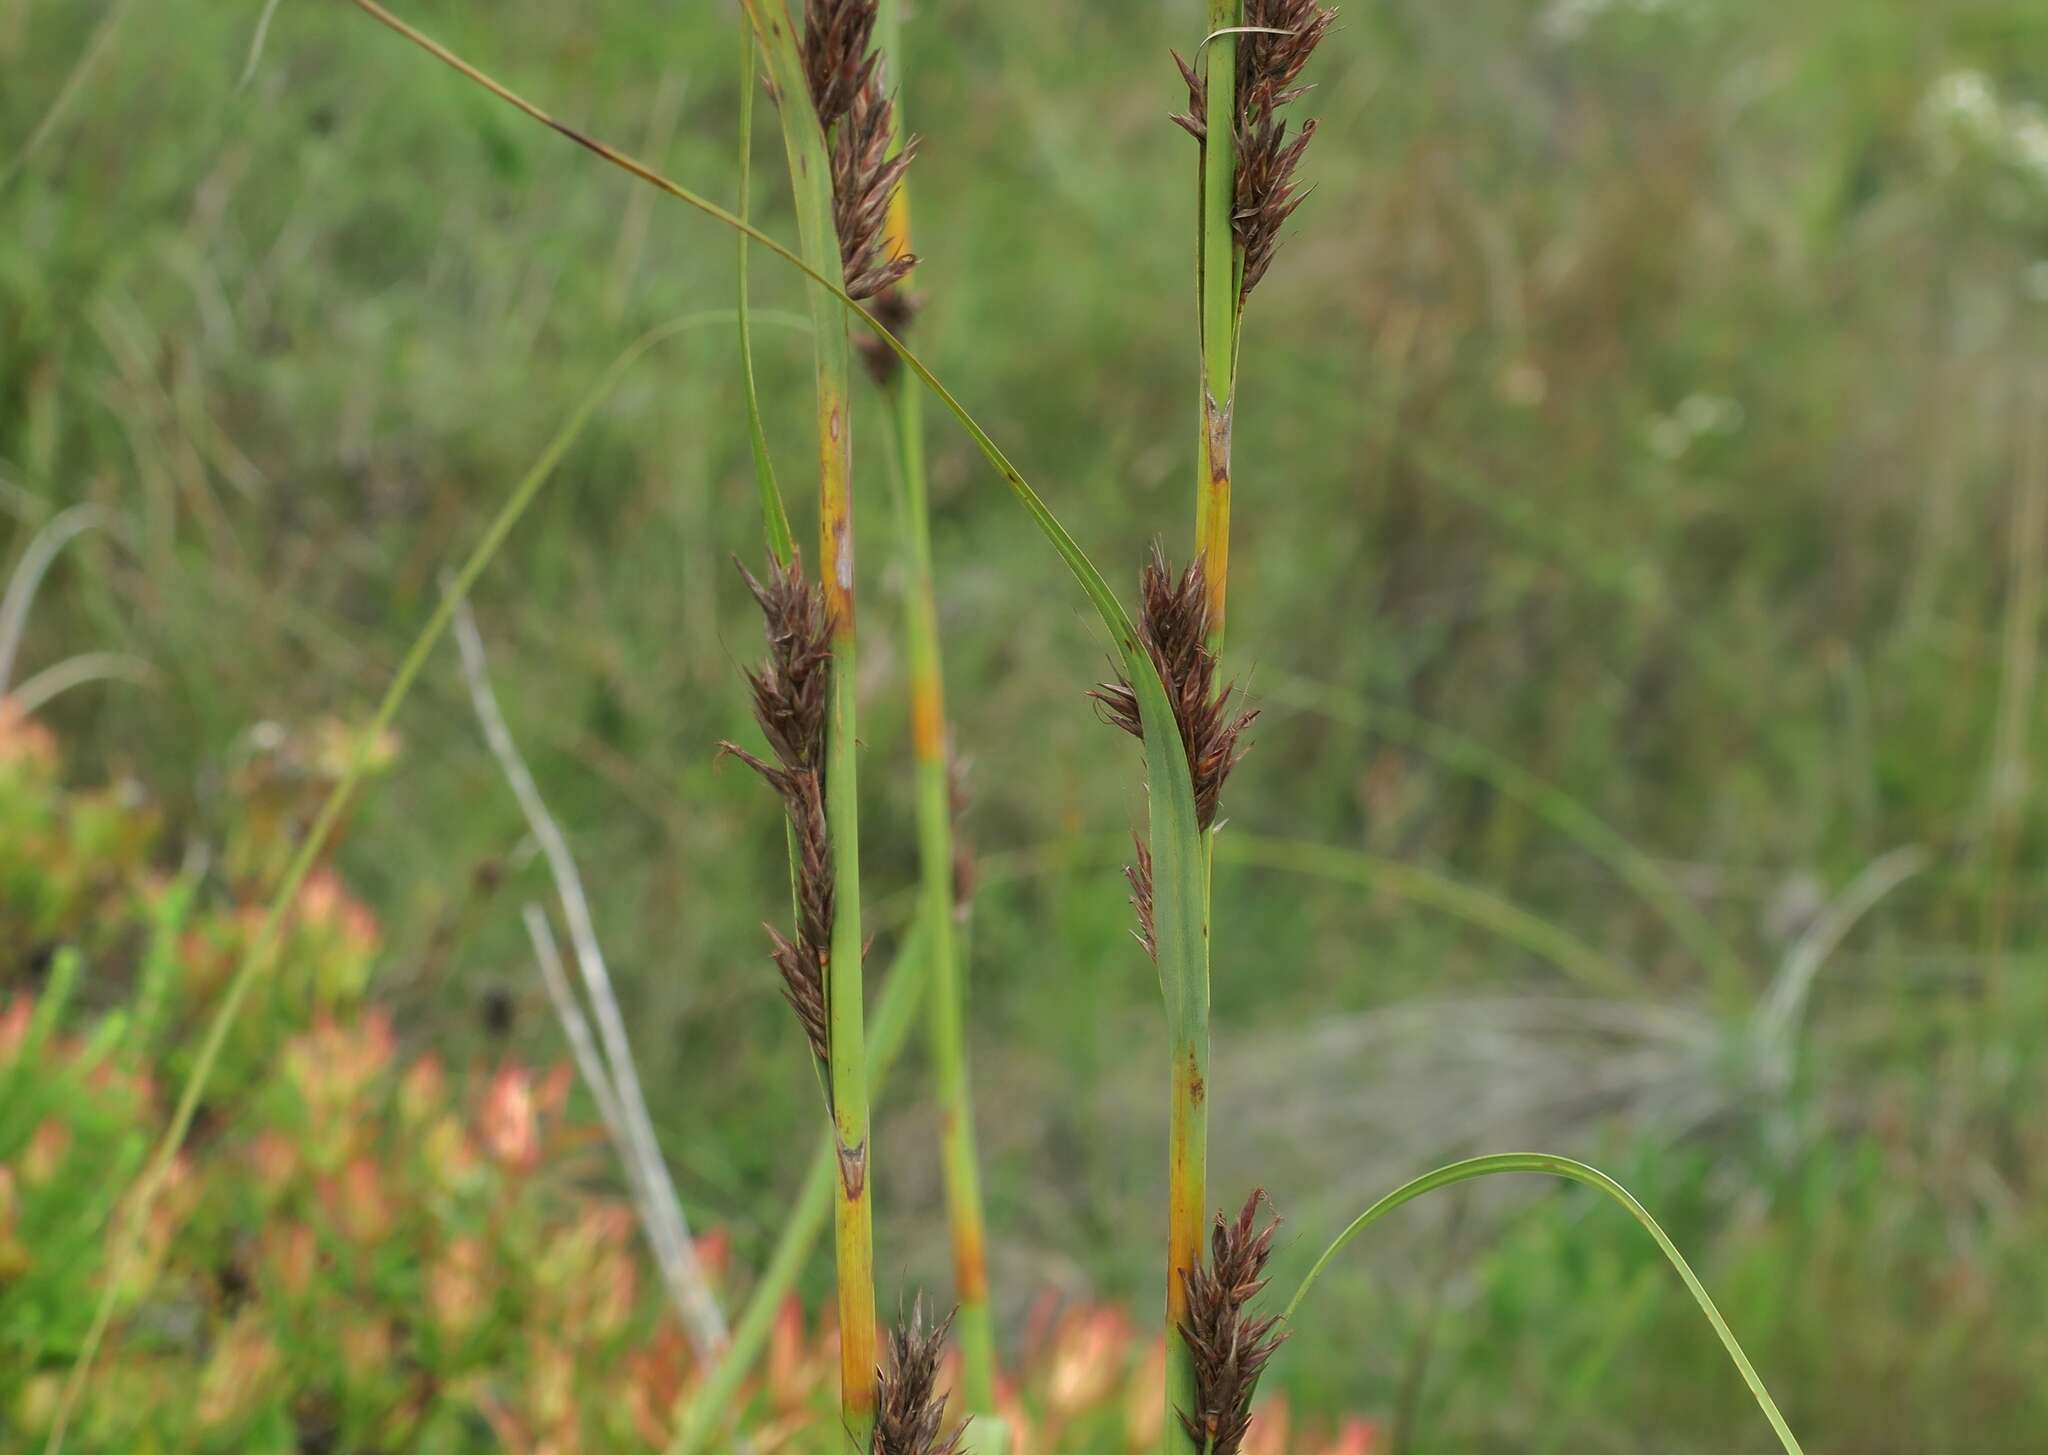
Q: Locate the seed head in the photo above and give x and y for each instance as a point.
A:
(1230, 1346)
(1173, 622)
(1281, 36)
(848, 89)
(911, 1409)
(1138, 874)
(789, 693)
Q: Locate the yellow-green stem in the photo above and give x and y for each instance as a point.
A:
(811, 179)
(1218, 269)
(973, 1324)
(715, 1403)
(1217, 274)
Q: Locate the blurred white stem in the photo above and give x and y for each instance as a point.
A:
(1778, 1017)
(661, 1212)
(21, 587)
(61, 677)
(576, 1026)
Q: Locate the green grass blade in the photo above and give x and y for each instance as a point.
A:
(966, 1216)
(1550, 1166)
(256, 959)
(774, 515)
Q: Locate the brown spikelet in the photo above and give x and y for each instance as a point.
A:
(1270, 60)
(1173, 621)
(1230, 1346)
(789, 697)
(1138, 873)
(910, 1417)
(838, 60)
(1268, 64)
(849, 91)
(789, 690)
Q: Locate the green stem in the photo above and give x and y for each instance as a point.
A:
(1592, 1177)
(810, 176)
(1218, 271)
(716, 1400)
(973, 1323)
(1188, 1109)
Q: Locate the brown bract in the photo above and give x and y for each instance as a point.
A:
(848, 90)
(1281, 36)
(911, 1409)
(789, 692)
(1230, 1346)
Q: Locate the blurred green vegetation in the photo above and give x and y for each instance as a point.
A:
(1651, 393)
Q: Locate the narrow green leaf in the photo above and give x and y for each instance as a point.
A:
(1593, 1177)
(774, 516)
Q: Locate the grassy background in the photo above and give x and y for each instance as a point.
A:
(1650, 395)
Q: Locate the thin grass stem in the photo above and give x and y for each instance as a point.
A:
(1593, 1177)
(716, 1400)
(662, 1211)
(810, 175)
(947, 1031)
(1218, 271)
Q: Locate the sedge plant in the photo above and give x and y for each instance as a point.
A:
(1166, 693)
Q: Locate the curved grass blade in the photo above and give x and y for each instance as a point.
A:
(1551, 1166)
(256, 960)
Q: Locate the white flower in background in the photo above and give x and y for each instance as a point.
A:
(1964, 108)
(1964, 100)
(1698, 415)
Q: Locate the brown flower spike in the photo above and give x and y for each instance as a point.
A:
(1173, 622)
(789, 693)
(1282, 35)
(848, 90)
(1230, 1346)
(910, 1417)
